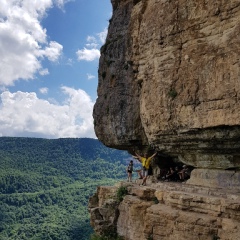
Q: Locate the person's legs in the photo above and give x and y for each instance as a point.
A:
(145, 175)
(130, 176)
(144, 180)
(139, 172)
(181, 175)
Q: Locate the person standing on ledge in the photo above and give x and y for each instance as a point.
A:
(129, 171)
(145, 164)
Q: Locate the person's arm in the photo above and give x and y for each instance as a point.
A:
(138, 156)
(153, 155)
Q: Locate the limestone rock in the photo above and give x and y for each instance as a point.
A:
(170, 211)
(169, 81)
(169, 78)
(215, 178)
(102, 207)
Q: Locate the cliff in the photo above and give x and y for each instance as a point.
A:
(166, 211)
(169, 78)
(169, 81)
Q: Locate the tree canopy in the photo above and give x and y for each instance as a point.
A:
(45, 185)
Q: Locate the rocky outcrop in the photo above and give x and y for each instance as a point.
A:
(167, 211)
(169, 78)
(169, 81)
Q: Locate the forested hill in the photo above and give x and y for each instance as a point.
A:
(45, 185)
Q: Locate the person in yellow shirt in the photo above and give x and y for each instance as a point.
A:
(145, 165)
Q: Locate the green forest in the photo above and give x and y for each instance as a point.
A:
(45, 185)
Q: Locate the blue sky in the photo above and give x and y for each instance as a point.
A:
(49, 53)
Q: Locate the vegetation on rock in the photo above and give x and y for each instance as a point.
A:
(121, 193)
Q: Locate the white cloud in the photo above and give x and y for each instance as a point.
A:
(92, 42)
(90, 76)
(102, 35)
(43, 72)
(43, 90)
(91, 50)
(23, 114)
(3, 88)
(24, 42)
(52, 52)
(92, 45)
(61, 3)
(91, 39)
(70, 61)
(88, 54)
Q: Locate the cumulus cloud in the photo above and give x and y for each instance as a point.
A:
(43, 90)
(91, 50)
(90, 76)
(52, 52)
(88, 54)
(24, 42)
(91, 39)
(92, 45)
(70, 61)
(44, 72)
(23, 114)
(102, 35)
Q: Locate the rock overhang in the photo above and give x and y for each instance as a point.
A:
(169, 79)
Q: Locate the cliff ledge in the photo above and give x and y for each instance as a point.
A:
(166, 211)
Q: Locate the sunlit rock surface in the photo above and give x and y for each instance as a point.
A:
(169, 78)
(167, 211)
(169, 81)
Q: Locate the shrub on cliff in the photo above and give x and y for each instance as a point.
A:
(121, 192)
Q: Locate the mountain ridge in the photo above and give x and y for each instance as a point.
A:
(45, 185)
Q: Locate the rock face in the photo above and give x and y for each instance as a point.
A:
(167, 211)
(169, 81)
(169, 77)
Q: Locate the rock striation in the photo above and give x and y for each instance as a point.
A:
(167, 211)
(169, 78)
(169, 81)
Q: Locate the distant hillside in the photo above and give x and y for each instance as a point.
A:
(45, 185)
